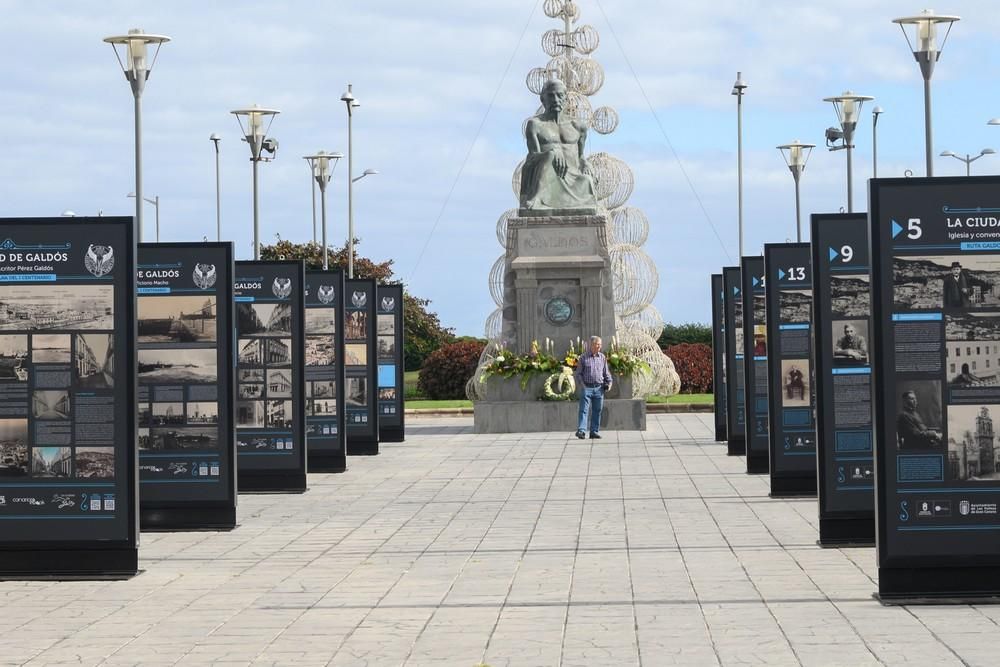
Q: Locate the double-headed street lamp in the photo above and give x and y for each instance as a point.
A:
(251, 122)
(366, 172)
(135, 64)
(848, 108)
(796, 156)
(738, 89)
(155, 201)
(926, 51)
(322, 171)
(969, 158)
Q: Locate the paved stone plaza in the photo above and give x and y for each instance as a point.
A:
(539, 549)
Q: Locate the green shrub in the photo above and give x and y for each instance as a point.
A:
(448, 368)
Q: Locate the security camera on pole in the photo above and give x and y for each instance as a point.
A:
(848, 108)
(255, 134)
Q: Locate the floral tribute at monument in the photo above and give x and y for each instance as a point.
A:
(573, 264)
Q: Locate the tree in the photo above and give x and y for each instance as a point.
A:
(692, 332)
(422, 329)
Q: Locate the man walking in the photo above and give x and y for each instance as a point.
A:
(592, 370)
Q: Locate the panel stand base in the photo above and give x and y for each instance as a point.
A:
(758, 464)
(938, 585)
(736, 448)
(69, 564)
(362, 447)
(838, 533)
(790, 487)
(251, 482)
(187, 518)
(391, 435)
(327, 462)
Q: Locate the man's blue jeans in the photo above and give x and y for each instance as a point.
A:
(591, 401)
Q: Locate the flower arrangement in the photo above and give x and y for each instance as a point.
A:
(623, 362)
(559, 386)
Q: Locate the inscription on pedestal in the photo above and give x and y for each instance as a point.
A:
(556, 242)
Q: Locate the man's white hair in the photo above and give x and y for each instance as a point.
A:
(596, 339)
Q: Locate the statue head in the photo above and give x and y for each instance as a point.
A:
(553, 95)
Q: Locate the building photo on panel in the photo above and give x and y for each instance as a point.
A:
(13, 357)
(264, 319)
(13, 448)
(176, 319)
(936, 282)
(52, 307)
(972, 443)
(94, 357)
(850, 295)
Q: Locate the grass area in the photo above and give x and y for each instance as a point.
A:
(681, 398)
(434, 405)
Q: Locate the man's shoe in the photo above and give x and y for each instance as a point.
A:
(595, 436)
(581, 435)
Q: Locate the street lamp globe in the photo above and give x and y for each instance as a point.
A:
(921, 32)
(322, 165)
(796, 155)
(255, 123)
(132, 53)
(848, 107)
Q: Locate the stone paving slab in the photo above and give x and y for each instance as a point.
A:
(650, 548)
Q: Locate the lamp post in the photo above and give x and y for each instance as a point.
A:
(796, 156)
(738, 88)
(968, 159)
(133, 60)
(312, 173)
(155, 201)
(848, 108)
(927, 53)
(322, 172)
(876, 112)
(352, 104)
(366, 172)
(215, 139)
(255, 134)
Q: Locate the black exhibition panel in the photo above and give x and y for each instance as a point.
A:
(719, 357)
(68, 469)
(791, 396)
(755, 367)
(936, 304)
(270, 355)
(360, 367)
(324, 371)
(842, 335)
(735, 396)
(186, 380)
(389, 354)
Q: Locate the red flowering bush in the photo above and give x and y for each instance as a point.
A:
(448, 368)
(693, 362)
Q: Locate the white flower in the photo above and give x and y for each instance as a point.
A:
(501, 359)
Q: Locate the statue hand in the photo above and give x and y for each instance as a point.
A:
(559, 164)
(586, 167)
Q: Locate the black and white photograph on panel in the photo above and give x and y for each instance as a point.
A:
(57, 307)
(13, 357)
(279, 414)
(321, 321)
(278, 352)
(250, 414)
(251, 390)
(971, 442)
(94, 366)
(796, 383)
(191, 437)
(178, 366)
(322, 389)
(167, 414)
(143, 438)
(356, 325)
(933, 282)
(145, 414)
(323, 407)
(972, 363)
(386, 345)
(355, 354)
(94, 462)
(50, 348)
(850, 295)
(13, 448)
(279, 383)
(51, 462)
(738, 325)
(264, 319)
(250, 352)
(255, 375)
(202, 412)
(971, 326)
(320, 351)
(386, 325)
(850, 342)
(356, 392)
(918, 416)
(796, 306)
(760, 308)
(176, 319)
(51, 404)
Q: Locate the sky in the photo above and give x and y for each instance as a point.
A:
(442, 92)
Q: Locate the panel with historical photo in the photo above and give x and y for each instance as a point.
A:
(320, 351)
(850, 295)
(176, 319)
(279, 352)
(321, 321)
(355, 354)
(264, 319)
(251, 390)
(95, 462)
(50, 348)
(279, 414)
(850, 342)
(356, 392)
(323, 407)
(51, 405)
(279, 383)
(167, 414)
(202, 412)
(356, 325)
(250, 375)
(250, 414)
(759, 309)
(51, 462)
(324, 389)
(143, 438)
(250, 352)
(52, 307)
(759, 340)
(386, 325)
(175, 366)
(145, 411)
(13, 447)
(918, 415)
(183, 438)
(13, 357)
(738, 326)
(966, 326)
(796, 306)
(934, 281)
(386, 346)
(971, 443)
(94, 366)
(387, 394)
(796, 381)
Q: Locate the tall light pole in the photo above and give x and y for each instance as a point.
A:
(738, 89)
(132, 56)
(255, 134)
(926, 52)
(796, 156)
(322, 171)
(155, 201)
(876, 112)
(312, 181)
(215, 139)
(352, 104)
(968, 159)
(848, 108)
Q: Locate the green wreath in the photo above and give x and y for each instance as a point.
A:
(559, 386)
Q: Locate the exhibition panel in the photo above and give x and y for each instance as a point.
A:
(754, 346)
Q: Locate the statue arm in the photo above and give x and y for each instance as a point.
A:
(531, 136)
(582, 129)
